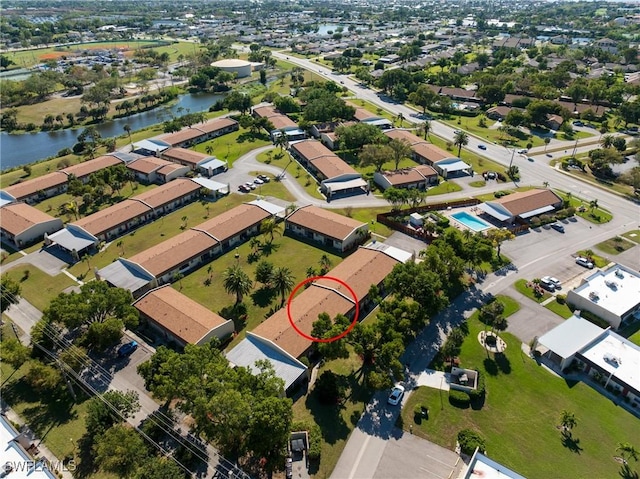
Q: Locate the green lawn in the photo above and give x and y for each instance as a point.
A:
(478, 184)
(596, 215)
(232, 146)
(445, 186)
(38, 287)
(151, 234)
(560, 309)
(633, 235)
(521, 413)
(521, 287)
(369, 215)
(293, 170)
(336, 422)
(286, 251)
(492, 196)
(615, 245)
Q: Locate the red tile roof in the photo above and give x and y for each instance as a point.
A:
(168, 192)
(113, 216)
(325, 222)
(27, 188)
(233, 222)
(86, 168)
(18, 217)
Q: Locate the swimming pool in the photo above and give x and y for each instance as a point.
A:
(470, 221)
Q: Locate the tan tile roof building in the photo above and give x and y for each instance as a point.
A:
(184, 135)
(186, 320)
(168, 192)
(525, 201)
(184, 156)
(148, 164)
(233, 222)
(112, 217)
(26, 189)
(171, 253)
(87, 168)
(16, 218)
(216, 124)
(324, 222)
(363, 268)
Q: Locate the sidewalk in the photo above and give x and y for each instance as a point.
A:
(43, 451)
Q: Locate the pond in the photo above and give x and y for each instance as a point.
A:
(16, 150)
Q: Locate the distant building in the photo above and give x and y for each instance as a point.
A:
(418, 177)
(240, 68)
(481, 467)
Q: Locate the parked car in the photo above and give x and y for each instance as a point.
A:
(556, 282)
(557, 227)
(243, 189)
(523, 151)
(578, 123)
(250, 185)
(258, 181)
(584, 262)
(264, 178)
(396, 395)
(547, 284)
(127, 349)
(482, 146)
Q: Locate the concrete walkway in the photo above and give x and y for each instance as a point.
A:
(44, 451)
(434, 379)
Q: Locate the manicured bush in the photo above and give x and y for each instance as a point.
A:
(480, 391)
(459, 398)
(561, 298)
(469, 440)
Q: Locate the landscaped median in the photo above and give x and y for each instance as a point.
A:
(521, 414)
(531, 290)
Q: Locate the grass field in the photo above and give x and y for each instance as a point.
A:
(293, 170)
(521, 413)
(521, 287)
(285, 251)
(37, 286)
(615, 245)
(233, 145)
(29, 58)
(633, 235)
(560, 309)
(596, 215)
(335, 421)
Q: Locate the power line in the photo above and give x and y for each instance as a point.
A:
(160, 419)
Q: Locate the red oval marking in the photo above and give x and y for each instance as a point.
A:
(334, 338)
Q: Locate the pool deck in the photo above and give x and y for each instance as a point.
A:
(471, 212)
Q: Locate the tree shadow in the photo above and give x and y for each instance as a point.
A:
(263, 297)
(571, 443)
(329, 419)
(503, 363)
(85, 465)
(626, 472)
(269, 247)
(490, 366)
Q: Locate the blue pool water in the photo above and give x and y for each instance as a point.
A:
(470, 221)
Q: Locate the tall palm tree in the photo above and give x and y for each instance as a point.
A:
(425, 128)
(593, 204)
(400, 119)
(325, 264)
(545, 184)
(401, 149)
(270, 227)
(236, 281)
(127, 128)
(209, 149)
(282, 281)
(461, 139)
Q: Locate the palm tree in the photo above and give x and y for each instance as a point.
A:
(425, 128)
(70, 208)
(282, 281)
(606, 141)
(209, 150)
(627, 451)
(254, 244)
(127, 128)
(400, 118)
(593, 204)
(270, 227)
(547, 140)
(325, 264)
(236, 281)
(567, 199)
(568, 421)
(545, 184)
(401, 149)
(461, 139)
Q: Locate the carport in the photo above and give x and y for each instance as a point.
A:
(73, 239)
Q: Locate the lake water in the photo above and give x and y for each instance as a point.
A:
(16, 150)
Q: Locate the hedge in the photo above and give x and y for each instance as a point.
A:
(469, 440)
(459, 398)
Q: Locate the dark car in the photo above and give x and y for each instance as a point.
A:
(557, 227)
(127, 349)
(482, 147)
